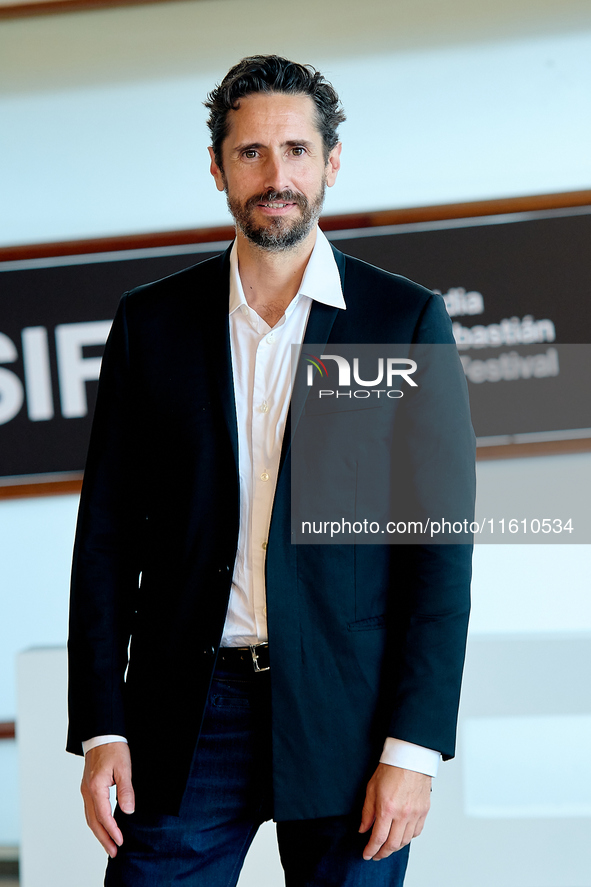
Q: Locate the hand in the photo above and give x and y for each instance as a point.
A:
(104, 766)
(396, 804)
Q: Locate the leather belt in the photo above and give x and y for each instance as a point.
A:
(254, 658)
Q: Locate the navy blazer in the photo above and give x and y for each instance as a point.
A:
(366, 641)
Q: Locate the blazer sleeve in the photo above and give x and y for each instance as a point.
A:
(106, 562)
(440, 457)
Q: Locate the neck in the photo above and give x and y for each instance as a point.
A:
(271, 280)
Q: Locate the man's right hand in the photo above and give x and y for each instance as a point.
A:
(104, 766)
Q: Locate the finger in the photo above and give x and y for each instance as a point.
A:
(97, 829)
(401, 834)
(104, 815)
(391, 843)
(105, 839)
(125, 793)
(379, 836)
(105, 818)
(420, 825)
(409, 833)
(367, 815)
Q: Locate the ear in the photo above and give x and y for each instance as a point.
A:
(333, 164)
(216, 171)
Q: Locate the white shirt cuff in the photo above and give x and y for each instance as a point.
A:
(101, 740)
(408, 756)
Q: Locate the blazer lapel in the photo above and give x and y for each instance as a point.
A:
(221, 364)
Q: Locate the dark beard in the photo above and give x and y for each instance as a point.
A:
(280, 233)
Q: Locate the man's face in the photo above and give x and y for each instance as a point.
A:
(274, 173)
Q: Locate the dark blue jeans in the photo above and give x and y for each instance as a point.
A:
(228, 796)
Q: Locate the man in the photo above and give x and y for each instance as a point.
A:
(313, 684)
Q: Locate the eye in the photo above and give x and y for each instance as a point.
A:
(250, 153)
(298, 151)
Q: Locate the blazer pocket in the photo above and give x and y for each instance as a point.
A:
(369, 624)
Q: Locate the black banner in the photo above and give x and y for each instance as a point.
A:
(517, 289)
(516, 286)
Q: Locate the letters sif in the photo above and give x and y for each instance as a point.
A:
(74, 370)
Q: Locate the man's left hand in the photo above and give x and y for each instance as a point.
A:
(396, 804)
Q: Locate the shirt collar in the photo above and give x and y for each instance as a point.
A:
(321, 281)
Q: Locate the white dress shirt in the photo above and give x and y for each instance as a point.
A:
(262, 372)
(261, 366)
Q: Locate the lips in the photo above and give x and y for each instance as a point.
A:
(277, 200)
(278, 208)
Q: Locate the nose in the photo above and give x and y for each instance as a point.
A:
(275, 178)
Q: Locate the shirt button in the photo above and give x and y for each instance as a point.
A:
(264, 407)
(264, 546)
(244, 309)
(271, 338)
(265, 475)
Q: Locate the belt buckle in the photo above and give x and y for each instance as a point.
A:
(255, 658)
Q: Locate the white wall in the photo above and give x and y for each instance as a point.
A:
(104, 130)
(36, 538)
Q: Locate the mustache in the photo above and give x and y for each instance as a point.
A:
(271, 196)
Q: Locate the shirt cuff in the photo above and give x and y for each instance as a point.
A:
(87, 744)
(408, 756)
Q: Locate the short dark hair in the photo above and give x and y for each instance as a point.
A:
(271, 73)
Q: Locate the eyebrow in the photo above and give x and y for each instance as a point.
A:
(291, 143)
